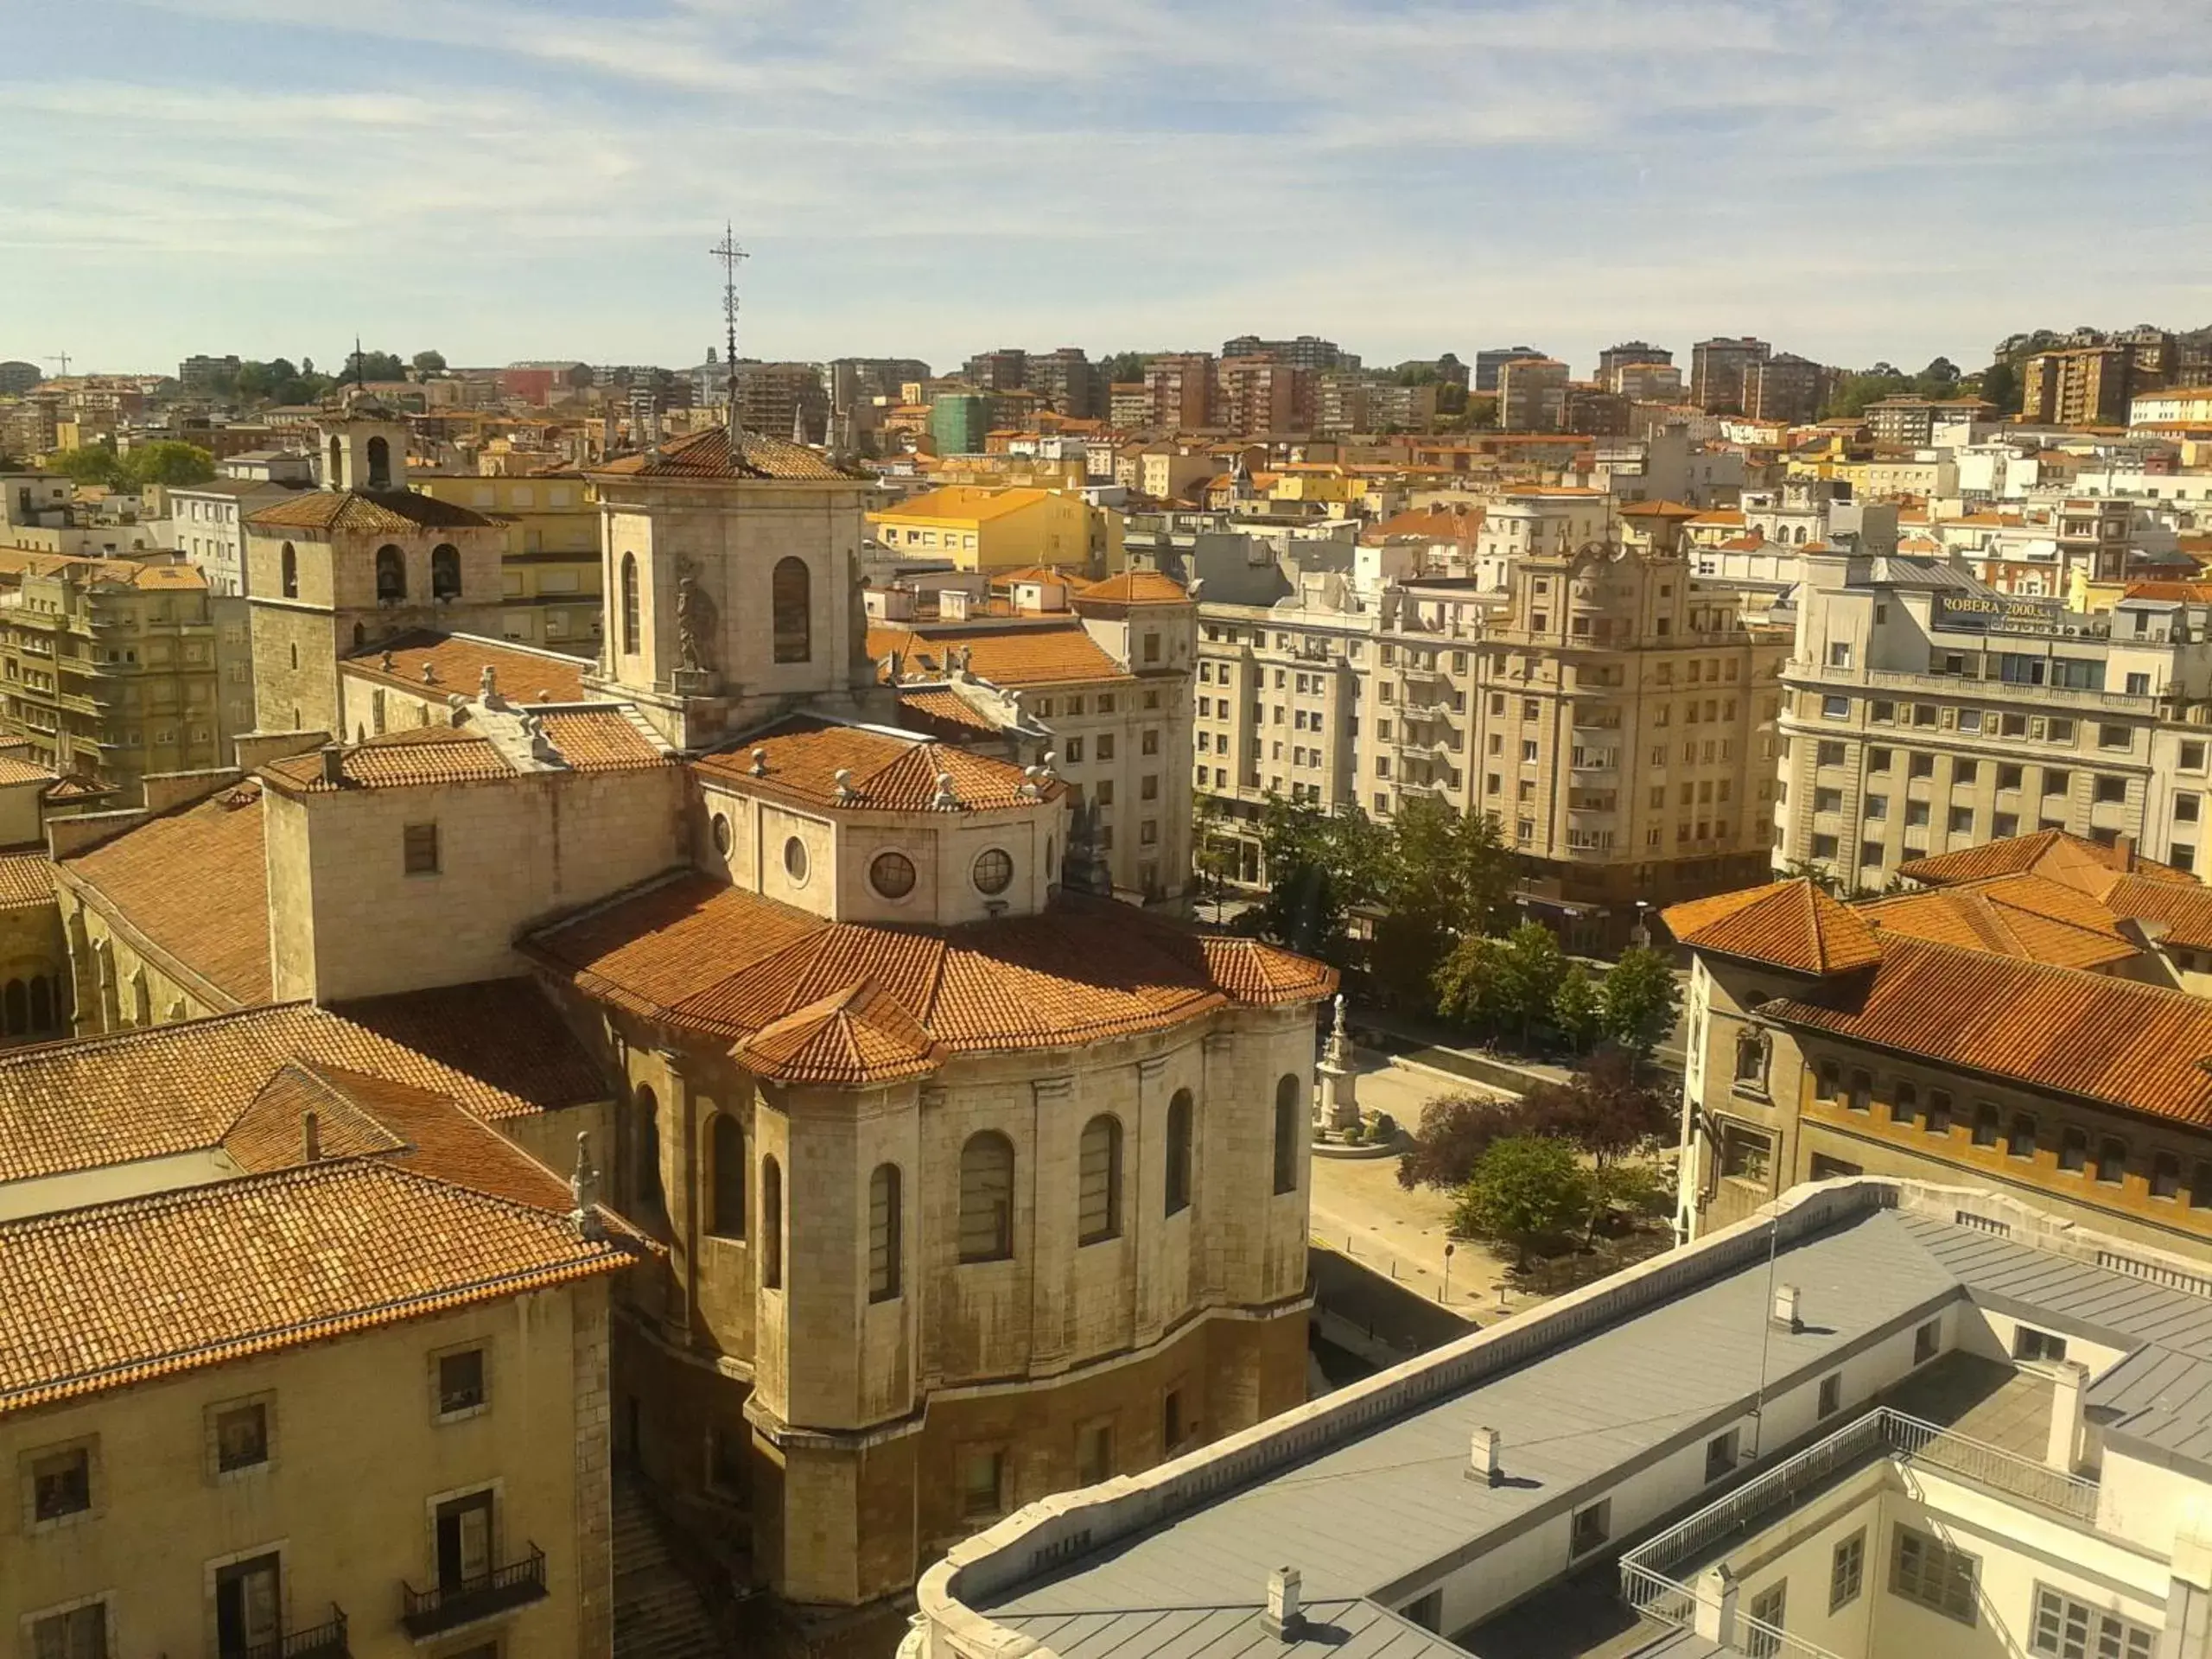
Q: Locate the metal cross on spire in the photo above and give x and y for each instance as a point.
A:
(730, 254)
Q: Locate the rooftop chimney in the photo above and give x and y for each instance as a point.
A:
(1282, 1618)
(2069, 1383)
(333, 764)
(1483, 1462)
(311, 1137)
(1784, 1312)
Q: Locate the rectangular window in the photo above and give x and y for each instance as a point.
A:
(1720, 1455)
(2074, 1150)
(1592, 1525)
(2029, 1342)
(1927, 1340)
(1831, 1399)
(81, 1633)
(419, 849)
(2110, 791)
(1745, 1151)
(1171, 1427)
(1847, 1570)
(1878, 760)
(2111, 1160)
(241, 1437)
(981, 1473)
(61, 1484)
(1094, 1453)
(1930, 1572)
(248, 1603)
(461, 1382)
(1768, 1610)
(2067, 1629)
(464, 1534)
(2165, 1176)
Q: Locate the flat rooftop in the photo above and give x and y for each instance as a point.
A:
(1366, 1491)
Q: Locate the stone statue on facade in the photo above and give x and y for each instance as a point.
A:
(694, 621)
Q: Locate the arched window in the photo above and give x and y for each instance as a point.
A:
(791, 610)
(332, 480)
(1287, 1128)
(883, 1240)
(361, 638)
(445, 571)
(645, 1180)
(771, 1224)
(379, 464)
(1179, 1152)
(16, 1004)
(142, 999)
(290, 574)
(630, 604)
(987, 1198)
(41, 1003)
(1098, 1181)
(392, 572)
(726, 1218)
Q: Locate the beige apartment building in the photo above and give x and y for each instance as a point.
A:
(548, 556)
(115, 669)
(264, 1261)
(1613, 715)
(1926, 712)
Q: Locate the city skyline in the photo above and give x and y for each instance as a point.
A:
(217, 175)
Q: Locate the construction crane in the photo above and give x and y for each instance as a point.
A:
(62, 359)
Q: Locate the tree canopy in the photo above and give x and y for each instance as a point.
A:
(430, 362)
(277, 381)
(1639, 1002)
(1524, 1189)
(169, 462)
(373, 365)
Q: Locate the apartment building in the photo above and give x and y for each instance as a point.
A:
(1720, 369)
(1648, 383)
(1308, 352)
(1490, 361)
(1911, 422)
(1531, 394)
(1883, 1418)
(1181, 392)
(1259, 395)
(1925, 712)
(2086, 385)
(549, 551)
(115, 669)
(208, 521)
(1000, 529)
(1785, 387)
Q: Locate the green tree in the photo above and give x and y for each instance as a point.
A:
(1123, 368)
(1524, 1189)
(98, 465)
(1575, 1011)
(373, 365)
(1481, 409)
(2001, 387)
(169, 462)
(1442, 876)
(1639, 1002)
(1531, 965)
(428, 363)
(1455, 1131)
(1469, 985)
(1319, 865)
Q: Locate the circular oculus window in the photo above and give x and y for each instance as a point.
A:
(892, 874)
(795, 860)
(994, 871)
(722, 834)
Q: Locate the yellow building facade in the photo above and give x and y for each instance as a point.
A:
(549, 560)
(1003, 530)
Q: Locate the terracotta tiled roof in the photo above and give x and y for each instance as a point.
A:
(708, 455)
(402, 760)
(26, 880)
(2189, 593)
(856, 1033)
(346, 510)
(601, 741)
(505, 1033)
(194, 882)
(1136, 587)
(457, 662)
(945, 708)
(119, 1293)
(2185, 910)
(2090, 1035)
(76, 787)
(2012, 916)
(888, 771)
(166, 1089)
(1029, 654)
(692, 953)
(271, 1133)
(1792, 925)
(2088, 866)
(1659, 510)
(21, 769)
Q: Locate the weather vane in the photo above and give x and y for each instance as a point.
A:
(730, 253)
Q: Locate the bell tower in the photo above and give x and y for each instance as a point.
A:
(363, 448)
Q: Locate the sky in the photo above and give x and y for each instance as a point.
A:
(1852, 180)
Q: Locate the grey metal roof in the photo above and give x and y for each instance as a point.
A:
(1340, 1628)
(2161, 1398)
(1381, 1514)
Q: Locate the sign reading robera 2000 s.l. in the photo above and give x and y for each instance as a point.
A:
(1988, 613)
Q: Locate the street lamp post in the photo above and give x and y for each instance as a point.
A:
(1447, 1275)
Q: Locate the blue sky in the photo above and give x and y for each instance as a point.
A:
(504, 180)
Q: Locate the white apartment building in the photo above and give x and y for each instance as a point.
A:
(1925, 711)
(1878, 1420)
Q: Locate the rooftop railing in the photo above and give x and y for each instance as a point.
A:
(1651, 1580)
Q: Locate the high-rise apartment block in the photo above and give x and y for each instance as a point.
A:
(1260, 395)
(1488, 363)
(2087, 385)
(208, 376)
(1719, 370)
(1785, 387)
(1531, 394)
(1307, 351)
(1182, 389)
